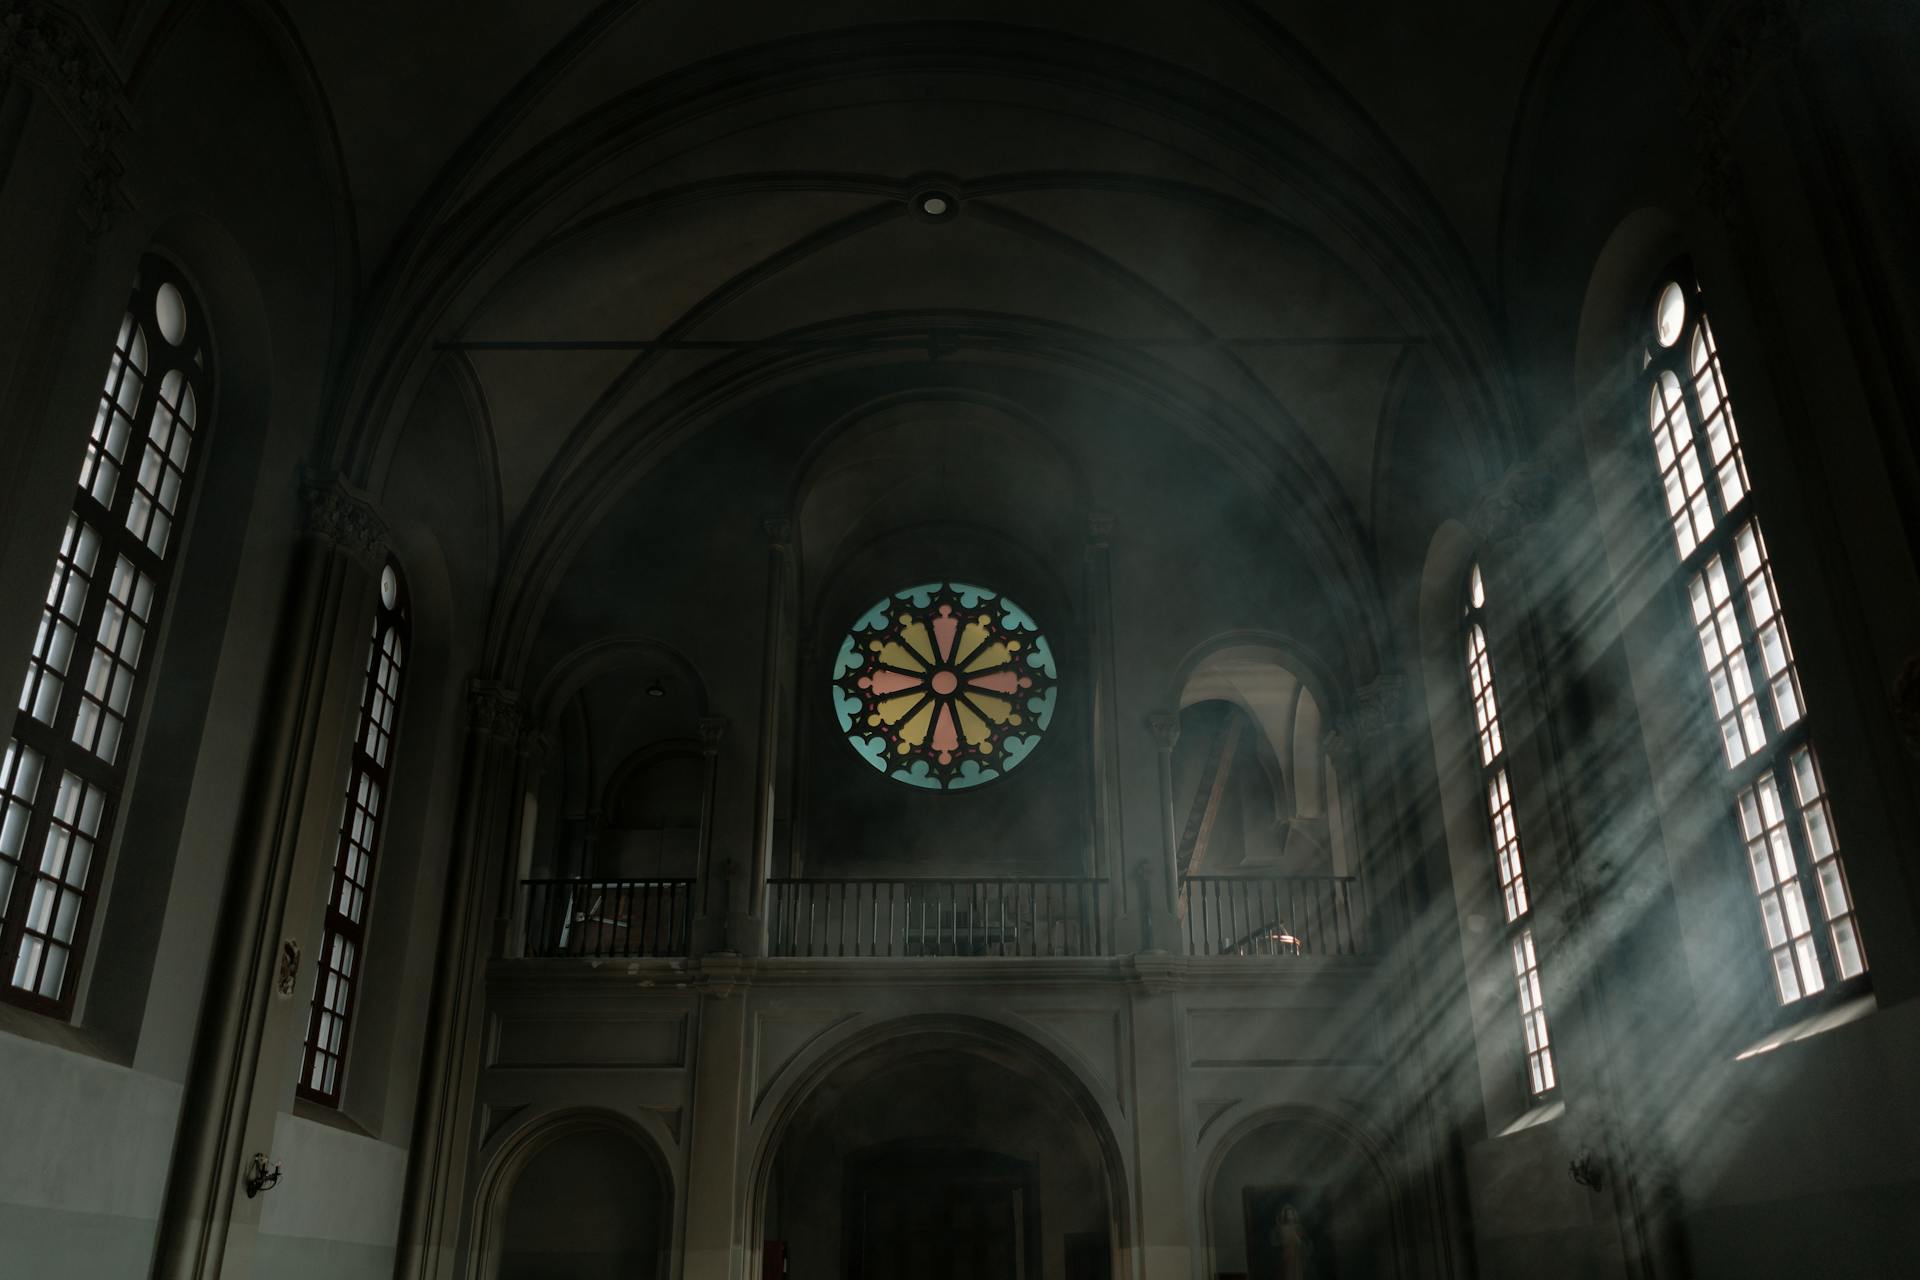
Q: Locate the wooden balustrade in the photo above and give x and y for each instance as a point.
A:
(939, 917)
(608, 917)
(1252, 915)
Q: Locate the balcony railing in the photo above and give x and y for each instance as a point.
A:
(934, 917)
(608, 917)
(1272, 915)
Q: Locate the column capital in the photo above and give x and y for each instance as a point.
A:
(1100, 530)
(1165, 728)
(778, 529)
(536, 748)
(343, 518)
(1376, 709)
(51, 45)
(494, 711)
(712, 730)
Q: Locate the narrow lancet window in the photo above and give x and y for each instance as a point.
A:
(339, 974)
(65, 764)
(1497, 788)
(1779, 798)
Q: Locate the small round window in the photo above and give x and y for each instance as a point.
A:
(944, 685)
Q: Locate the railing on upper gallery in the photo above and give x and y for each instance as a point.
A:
(1005, 916)
(1251, 915)
(608, 917)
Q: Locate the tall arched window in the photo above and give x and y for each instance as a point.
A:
(1779, 798)
(1497, 787)
(339, 975)
(66, 762)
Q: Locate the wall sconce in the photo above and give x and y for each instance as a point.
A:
(1587, 1171)
(656, 689)
(260, 1175)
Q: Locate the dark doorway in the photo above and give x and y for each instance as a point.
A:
(941, 1214)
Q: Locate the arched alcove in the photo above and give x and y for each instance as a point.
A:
(1295, 1196)
(939, 1148)
(581, 1200)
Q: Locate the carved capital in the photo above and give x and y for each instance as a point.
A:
(712, 730)
(51, 46)
(1514, 504)
(343, 518)
(1735, 54)
(494, 711)
(536, 748)
(779, 531)
(1376, 709)
(1165, 728)
(1100, 530)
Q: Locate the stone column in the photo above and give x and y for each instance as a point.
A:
(509, 926)
(335, 561)
(713, 730)
(781, 618)
(1102, 727)
(1165, 727)
(433, 1207)
(717, 1240)
(1163, 1232)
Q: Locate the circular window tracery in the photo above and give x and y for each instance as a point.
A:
(944, 685)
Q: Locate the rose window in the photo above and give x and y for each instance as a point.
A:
(944, 685)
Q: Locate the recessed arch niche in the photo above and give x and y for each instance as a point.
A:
(585, 1198)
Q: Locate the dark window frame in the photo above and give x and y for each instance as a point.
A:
(117, 543)
(339, 965)
(1780, 744)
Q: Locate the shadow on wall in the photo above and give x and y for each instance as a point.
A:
(590, 1205)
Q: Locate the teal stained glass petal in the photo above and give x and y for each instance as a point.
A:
(970, 595)
(1014, 618)
(1040, 657)
(846, 707)
(850, 659)
(1042, 709)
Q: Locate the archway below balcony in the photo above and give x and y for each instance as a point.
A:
(1294, 1194)
(936, 1148)
(580, 1197)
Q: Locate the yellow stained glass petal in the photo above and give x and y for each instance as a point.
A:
(995, 709)
(972, 636)
(915, 634)
(915, 729)
(894, 656)
(972, 727)
(994, 655)
(891, 709)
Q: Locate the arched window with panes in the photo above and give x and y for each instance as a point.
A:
(1496, 789)
(65, 767)
(1779, 797)
(340, 973)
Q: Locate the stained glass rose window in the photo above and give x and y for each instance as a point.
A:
(944, 685)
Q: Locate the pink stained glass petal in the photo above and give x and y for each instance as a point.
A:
(945, 737)
(998, 681)
(885, 682)
(943, 628)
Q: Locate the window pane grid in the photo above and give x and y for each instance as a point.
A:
(1533, 1014)
(1717, 626)
(108, 691)
(1505, 831)
(104, 596)
(351, 883)
(20, 771)
(58, 888)
(1792, 855)
(113, 424)
(60, 617)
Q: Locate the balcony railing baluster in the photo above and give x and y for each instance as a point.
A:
(1243, 915)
